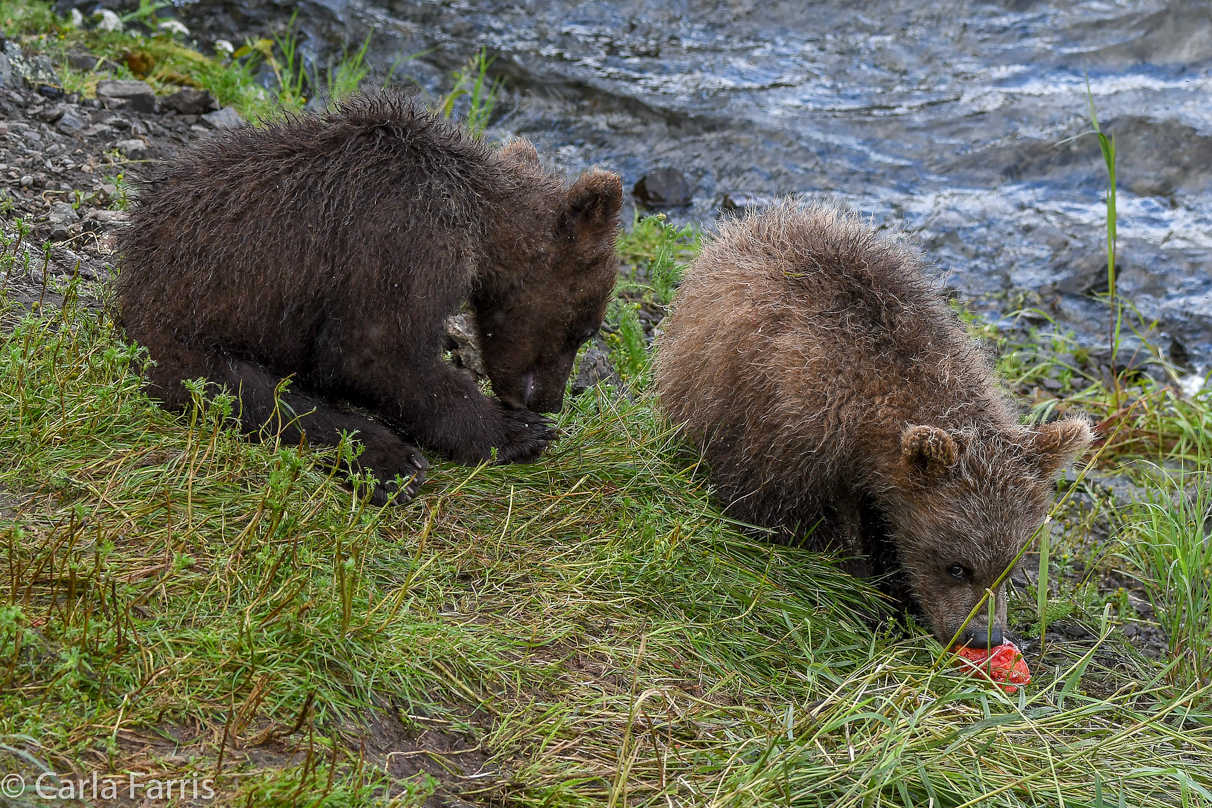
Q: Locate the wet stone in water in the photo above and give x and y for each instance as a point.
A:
(663, 188)
(743, 202)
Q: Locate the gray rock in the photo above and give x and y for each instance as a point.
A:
(70, 123)
(41, 78)
(37, 73)
(13, 66)
(52, 113)
(226, 118)
(62, 217)
(136, 96)
(1130, 362)
(461, 331)
(82, 61)
(663, 188)
(596, 368)
(190, 102)
(62, 213)
(133, 147)
(107, 217)
(1179, 354)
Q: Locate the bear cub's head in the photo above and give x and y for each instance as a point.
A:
(549, 294)
(967, 505)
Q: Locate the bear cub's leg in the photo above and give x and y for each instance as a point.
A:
(444, 410)
(384, 453)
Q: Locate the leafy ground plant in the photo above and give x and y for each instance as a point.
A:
(654, 252)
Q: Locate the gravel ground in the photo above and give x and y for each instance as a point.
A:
(68, 170)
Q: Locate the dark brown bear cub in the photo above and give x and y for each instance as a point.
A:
(330, 249)
(834, 393)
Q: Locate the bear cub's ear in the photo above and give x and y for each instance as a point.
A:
(1061, 441)
(520, 152)
(593, 203)
(928, 450)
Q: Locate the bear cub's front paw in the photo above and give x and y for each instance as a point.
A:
(526, 434)
(390, 463)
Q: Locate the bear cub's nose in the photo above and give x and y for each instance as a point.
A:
(983, 638)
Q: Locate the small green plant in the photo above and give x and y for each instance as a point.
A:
(80, 198)
(284, 58)
(120, 198)
(146, 12)
(629, 349)
(292, 76)
(655, 249)
(1106, 145)
(346, 77)
(473, 84)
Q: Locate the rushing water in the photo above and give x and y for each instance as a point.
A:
(951, 119)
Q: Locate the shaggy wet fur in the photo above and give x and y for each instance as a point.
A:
(330, 249)
(836, 396)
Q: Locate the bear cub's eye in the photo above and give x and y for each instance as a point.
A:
(957, 571)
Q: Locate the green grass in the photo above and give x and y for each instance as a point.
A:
(174, 64)
(655, 252)
(474, 93)
(1167, 540)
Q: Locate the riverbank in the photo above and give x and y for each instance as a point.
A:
(181, 604)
